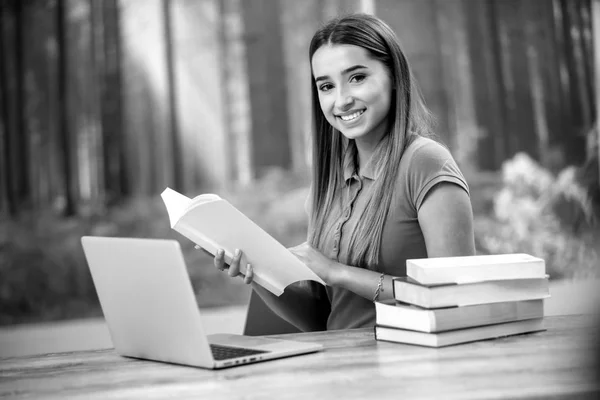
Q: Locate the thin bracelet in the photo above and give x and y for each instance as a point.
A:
(379, 288)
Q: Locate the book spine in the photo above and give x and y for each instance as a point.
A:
(412, 294)
(433, 322)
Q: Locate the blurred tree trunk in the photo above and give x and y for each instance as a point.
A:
(550, 57)
(63, 110)
(458, 80)
(52, 148)
(6, 204)
(106, 98)
(300, 20)
(160, 158)
(587, 53)
(507, 87)
(39, 68)
(489, 105)
(521, 135)
(561, 61)
(534, 13)
(84, 115)
(31, 99)
(115, 177)
(94, 93)
(579, 70)
(596, 40)
(268, 92)
(174, 134)
(16, 143)
(572, 145)
(235, 87)
(19, 154)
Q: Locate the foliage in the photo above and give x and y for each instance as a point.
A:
(548, 216)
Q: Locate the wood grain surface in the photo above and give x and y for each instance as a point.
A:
(559, 362)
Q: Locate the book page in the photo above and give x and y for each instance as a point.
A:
(218, 224)
(205, 198)
(176, 204)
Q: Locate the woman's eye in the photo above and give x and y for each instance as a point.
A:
(325, 87)
(357, 78)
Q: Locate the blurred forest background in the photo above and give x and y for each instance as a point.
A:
(104, 103)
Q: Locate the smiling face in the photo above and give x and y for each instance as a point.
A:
(354, 91)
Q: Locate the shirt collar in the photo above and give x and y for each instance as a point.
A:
(349, 166)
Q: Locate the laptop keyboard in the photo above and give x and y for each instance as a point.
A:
(225, 352)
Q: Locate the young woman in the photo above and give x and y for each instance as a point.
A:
(381, 193)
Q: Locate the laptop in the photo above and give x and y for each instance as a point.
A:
(151, 311)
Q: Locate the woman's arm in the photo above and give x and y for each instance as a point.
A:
(446, 220)
(298, 305)
(358, 280)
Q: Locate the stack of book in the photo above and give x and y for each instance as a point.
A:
(452, 300)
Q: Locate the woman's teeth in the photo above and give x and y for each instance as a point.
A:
(352, 116)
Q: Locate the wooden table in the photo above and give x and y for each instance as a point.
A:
(556, 363)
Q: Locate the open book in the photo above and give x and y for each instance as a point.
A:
(213, 223)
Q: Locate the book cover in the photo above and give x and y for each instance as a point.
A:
(212, 223)
(459, 336)
(409, 291)
(440, 270)
(410, 317)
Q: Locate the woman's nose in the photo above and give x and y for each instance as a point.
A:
(344, 102)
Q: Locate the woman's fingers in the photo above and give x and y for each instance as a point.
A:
(249, 276)
(234, 267)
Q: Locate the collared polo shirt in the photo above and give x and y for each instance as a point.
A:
(424, 164)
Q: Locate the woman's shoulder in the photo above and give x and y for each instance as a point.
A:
(426, 162)
(425, 148)
(424, 154)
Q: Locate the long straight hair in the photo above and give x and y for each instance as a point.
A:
(408, 116)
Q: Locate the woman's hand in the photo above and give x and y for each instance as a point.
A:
(234, 268)
(324, 267)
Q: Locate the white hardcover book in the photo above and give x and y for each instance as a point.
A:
(406, 316)
(458, 336)
(440, 270)
(409, 291)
